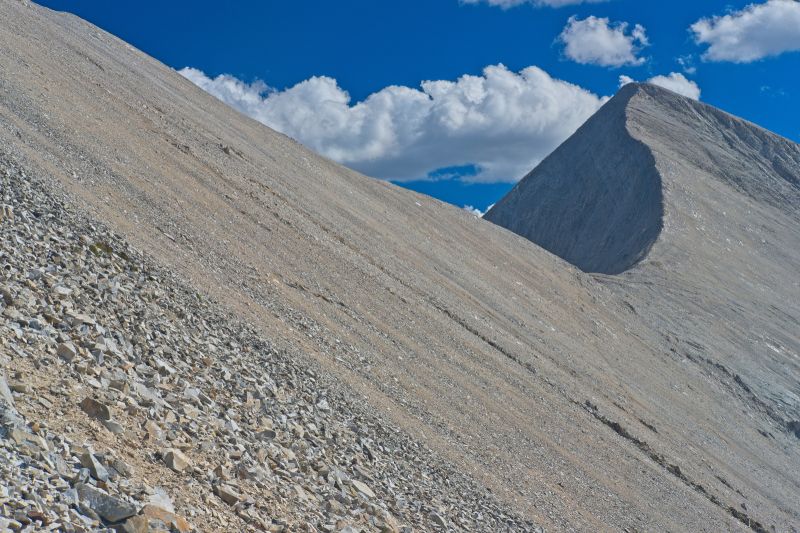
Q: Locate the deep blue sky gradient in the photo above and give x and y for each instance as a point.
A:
(368, 44)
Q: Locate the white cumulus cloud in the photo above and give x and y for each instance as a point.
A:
(674, 81)
(505, 4)
(598, 41)
(475, 211)
(502, 122)
(753, 33)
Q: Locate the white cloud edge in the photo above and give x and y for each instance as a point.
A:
(477, 212)
(599, 41)
(502, 122)
(674, 81)
(753, 33)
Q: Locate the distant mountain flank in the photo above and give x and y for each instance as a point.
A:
(600, 200)
(596, 201)
(696, 214)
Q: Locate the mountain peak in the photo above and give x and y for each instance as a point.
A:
(602, 199)
(596, 201)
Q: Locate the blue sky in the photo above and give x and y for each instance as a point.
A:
(345, 77)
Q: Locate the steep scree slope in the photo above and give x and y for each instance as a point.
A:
(117, 368)
(567, 399)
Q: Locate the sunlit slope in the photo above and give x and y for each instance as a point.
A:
(701, 208)
(541, 382)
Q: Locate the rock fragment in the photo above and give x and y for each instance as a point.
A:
(67, 351)
(177, 460)
(227, 494)
(6, 295)
(113, 426)
(95, 409)
(363, 488)
(96, 468)
(20, 388)
(437, 519)
(107, 507)
(136, 524)
(6, 213)
(10, 420)
(178, 523)
(27, 439)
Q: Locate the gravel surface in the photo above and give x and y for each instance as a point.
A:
(124, 395)
(660, 399)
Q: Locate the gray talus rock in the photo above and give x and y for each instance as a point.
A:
(107, 507)
(177, 460)
(95, 409)
(10, 419)
(6, 213)
(67, 351)
(96, 468)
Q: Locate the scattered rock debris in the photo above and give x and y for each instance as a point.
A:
(134, 406)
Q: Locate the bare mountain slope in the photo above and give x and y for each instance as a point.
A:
(596, 201)
(581, 401)
(708, 207)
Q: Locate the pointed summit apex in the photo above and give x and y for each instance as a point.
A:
(653, 94)
(596, 201)
(647, 159)
(651, 89)
(629, 90)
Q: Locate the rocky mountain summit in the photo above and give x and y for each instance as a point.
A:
(206, 326)
(694, 206)
(630, 184)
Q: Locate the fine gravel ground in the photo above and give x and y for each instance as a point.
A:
(438, 371)
(118, 376)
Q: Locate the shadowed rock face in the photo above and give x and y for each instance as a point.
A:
(600, 200)
(665, 398)
(596, 201)
(713, 262)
